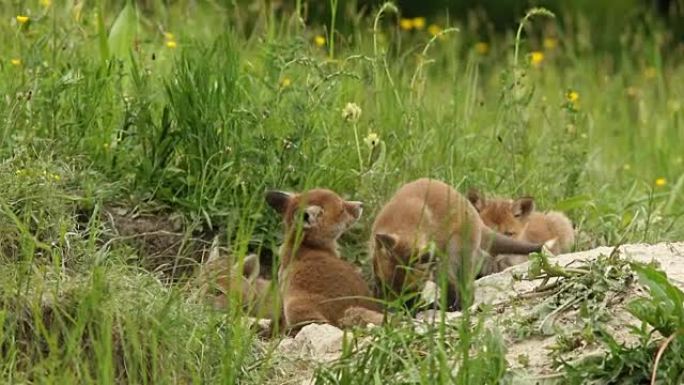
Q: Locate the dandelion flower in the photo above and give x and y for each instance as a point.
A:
(406, 24)
(572, 96)
(319, 40)
(550, 43)
(372, 140)
(650, 73)
(536, 58)
(15, 62)
(171, 44)
(285, 82)
(418, 23)
(45, 3)
(351, 112)
(481, 47)
(434, 29)
(21, 19)
(660, 182)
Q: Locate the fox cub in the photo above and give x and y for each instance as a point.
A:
(218, 280)
(518, 219)
(316, 285)
(427, 218)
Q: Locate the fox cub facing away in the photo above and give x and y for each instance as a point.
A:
(427, 218)
(517, 219)
(317, 286)
(219, 281)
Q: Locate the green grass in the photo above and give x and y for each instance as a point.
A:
(247, 101)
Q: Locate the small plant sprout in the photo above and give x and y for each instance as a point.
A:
(351, 113)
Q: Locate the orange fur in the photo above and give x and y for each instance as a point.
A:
(315, 283)
(426, 212)
(517, 219)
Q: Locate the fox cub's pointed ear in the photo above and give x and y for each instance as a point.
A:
(355, 208)
(522, 207)
(388, 241)
(476, 199)
(278, 200)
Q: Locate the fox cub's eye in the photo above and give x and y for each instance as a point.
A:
(509, 233)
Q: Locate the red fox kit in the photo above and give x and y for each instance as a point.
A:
(429, 212)
(257, 296)
(517, 219)
(316, 285)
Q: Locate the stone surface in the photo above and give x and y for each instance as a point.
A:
(320, 339)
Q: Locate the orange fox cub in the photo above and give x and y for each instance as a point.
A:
(425, 219)
(258, 298)
(517, 219)
(316, 285)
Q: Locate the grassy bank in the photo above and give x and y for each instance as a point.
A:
(188, 114)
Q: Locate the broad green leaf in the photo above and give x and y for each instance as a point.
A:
(123, 32)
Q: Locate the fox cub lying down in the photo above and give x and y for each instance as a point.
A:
(518, 219)
(316, 284)
(426, 223)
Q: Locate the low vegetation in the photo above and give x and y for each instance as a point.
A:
(130, 138)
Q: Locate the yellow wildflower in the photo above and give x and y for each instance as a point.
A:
(15, 62)
(56, 177)
(434, 29)
(660, 182)
(481, 47)
(572, 96)
(406, 24)
(46, 3)
(418, 23)
(536, 58)
(319, 40)
(21, 19)
(372, 140)
(650, 73)
(550, 43)
(171, 44)
(285, 82)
